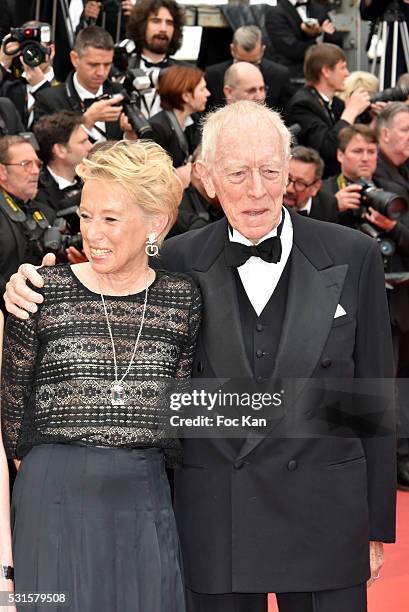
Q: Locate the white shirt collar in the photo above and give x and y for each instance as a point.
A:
(60, 180)
(84, 93)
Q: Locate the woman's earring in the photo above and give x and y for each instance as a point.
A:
(151, 248)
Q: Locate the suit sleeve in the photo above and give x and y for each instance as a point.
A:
(316, 133)
(283, 37)
(374, 359)
(42, 105)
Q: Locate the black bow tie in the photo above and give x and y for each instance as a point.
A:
(300, 3)
(269, 250)
(163, 64)
(303, 213)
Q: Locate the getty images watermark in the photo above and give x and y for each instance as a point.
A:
(209, 401)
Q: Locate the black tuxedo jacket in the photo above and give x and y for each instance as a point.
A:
(282, 514)
(307, 108)
(324, 207)
(64, 97)
(164, 134)
(11, 118)
(276, 78)
(15, 90)
(283, 25)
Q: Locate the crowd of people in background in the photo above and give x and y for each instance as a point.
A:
(112, 77)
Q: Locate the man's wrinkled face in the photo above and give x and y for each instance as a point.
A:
(19, 176)
(397, 136)
(302, 184)
(159, 31)
(359, 158)
(248, 177)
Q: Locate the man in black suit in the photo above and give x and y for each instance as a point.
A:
(92, 59)
(304, 194)
(293, 27)
(284, 297)
(316, 108)
(20, 90)
(392, 171)
(247, 46)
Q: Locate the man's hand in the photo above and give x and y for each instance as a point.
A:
(127, 7)
(349, 197)
(327, 27)
(355, 104)
(375, 217)
(311, 30)
(92, 9)
(75, 256)
(127, 129)
(103, 110)
(19, 299)
(375, 560)
(13, 47)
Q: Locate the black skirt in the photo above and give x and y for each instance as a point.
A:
(97, 525)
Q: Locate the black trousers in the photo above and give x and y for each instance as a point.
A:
(352, 599)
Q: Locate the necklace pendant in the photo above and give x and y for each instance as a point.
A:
(117, 395)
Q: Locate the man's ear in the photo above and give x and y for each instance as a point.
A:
(232, 50)
(203, 172)
(59, 150)
(317, 187)
(340, 155)
(74, 57)
(227, 92)
(384, 134)
(3, 173)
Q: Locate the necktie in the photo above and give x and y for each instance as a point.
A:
(300, 3)
(236, 254)
(163, 64)
(330, 112)
(304, 213)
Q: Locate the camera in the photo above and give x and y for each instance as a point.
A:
(31, 44)
(392, 94)
(389, 204)
(65, 231)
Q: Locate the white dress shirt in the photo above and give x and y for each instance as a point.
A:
(83, 94)
(259, 277)
(306, 207)
(301, 10)
(60, 180)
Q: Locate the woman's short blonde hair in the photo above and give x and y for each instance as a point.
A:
(144, 170)
(356, 79)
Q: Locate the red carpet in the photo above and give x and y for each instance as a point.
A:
(391, 592)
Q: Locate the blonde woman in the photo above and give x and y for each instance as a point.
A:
(85, 384)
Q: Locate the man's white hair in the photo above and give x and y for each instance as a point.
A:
(243, 114)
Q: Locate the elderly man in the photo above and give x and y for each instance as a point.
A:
(283, 297)
(244, 81)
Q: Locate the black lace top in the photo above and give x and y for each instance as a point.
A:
(58, 366)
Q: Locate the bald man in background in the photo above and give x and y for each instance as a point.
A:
(244, 81)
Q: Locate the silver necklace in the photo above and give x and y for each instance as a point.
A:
(117, 390)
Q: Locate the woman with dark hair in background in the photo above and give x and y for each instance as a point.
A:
(183, 93)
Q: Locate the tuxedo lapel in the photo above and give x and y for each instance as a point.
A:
(221, 319)
(313, 295)
(291, 12)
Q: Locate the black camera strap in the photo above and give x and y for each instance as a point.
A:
(181, 136)
(77, 104)
(33, 224)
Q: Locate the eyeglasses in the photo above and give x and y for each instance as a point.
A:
(27, 164)
(299, 186)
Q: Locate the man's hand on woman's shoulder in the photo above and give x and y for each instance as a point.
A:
(20, 300)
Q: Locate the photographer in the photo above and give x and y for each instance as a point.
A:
(88, 90)
(33, 54)
(317, 109)
(63, 144)
(392, 127)
(104, 13)
(156, 28)
(22, 219)
(183, 93)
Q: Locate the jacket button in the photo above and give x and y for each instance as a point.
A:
(292, 465)
(238, 465)
(200, 366)
(325, 363)
(259, 353)
(259, 327)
